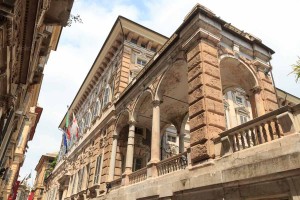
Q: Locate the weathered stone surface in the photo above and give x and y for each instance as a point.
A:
(209, 49)
(193, 52)
(214, 94)
(269, 87)
(197, 121)
(199, 152)
(211, 70)
(198, 136)
(270, 106)
(214, 106)
(212, 81)
(194, 62)
(194, 72)
(213, 60)
(195, 83)
(196, 108)
(196, 95)
(216, 119)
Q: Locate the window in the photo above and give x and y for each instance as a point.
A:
(81, 127)
(139, 131)
(80, 176)
(133, 74)
(141, 62)
(97, 108)
(73, 184)
(243, 119)
(106, 96)
(87, 171)
(239, 100)
(138, 164)
(171, 138)
(88, 119)
(143, 45)
(134, 41)
(97, 170)
(153, 49)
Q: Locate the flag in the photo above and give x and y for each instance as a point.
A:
(74, 127)
(65, 141)
(67, 125)
(26, 178)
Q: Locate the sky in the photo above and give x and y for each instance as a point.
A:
(275, 22)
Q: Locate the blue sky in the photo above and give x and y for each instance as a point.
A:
(275, 22)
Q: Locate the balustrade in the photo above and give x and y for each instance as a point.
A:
(138, 176)
(259, 130)
(172, 164)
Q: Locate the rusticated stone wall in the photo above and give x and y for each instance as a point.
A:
(206, 108)
(268, 92)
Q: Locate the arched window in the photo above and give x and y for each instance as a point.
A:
(106, 97)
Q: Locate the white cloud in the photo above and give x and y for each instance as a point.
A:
(276, 23)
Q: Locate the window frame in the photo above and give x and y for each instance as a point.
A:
(106, 95)
(143, 61)
(98, 167)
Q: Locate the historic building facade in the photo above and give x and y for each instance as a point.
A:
(43, 170)
(193, 116)
(30, 29)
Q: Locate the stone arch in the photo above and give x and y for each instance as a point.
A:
(122, 120)
(235, 73)
(172, 91)
(144, 99)
(179, 61)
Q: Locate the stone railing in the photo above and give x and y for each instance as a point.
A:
(138, 176)
(172, 164)
(263, 129)
(115, 184)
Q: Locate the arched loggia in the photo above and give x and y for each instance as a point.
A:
(242, 101)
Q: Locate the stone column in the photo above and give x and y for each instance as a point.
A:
(1, 110)
(181, 142)
(130, 148)
(113, 158)
(155, 139)
(259, 104)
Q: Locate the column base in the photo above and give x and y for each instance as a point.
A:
(152, 169)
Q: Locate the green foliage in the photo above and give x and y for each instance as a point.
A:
(296, 69)
(51, 168)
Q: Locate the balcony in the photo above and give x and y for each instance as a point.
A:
(258, 149)
(264, 129)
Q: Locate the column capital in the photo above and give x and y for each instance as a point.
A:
(256, 89)
(115, 136)
(132, 122)
(156, 103)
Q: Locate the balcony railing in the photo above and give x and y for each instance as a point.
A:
(172, 164)
(138, 176)
(260, 130)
